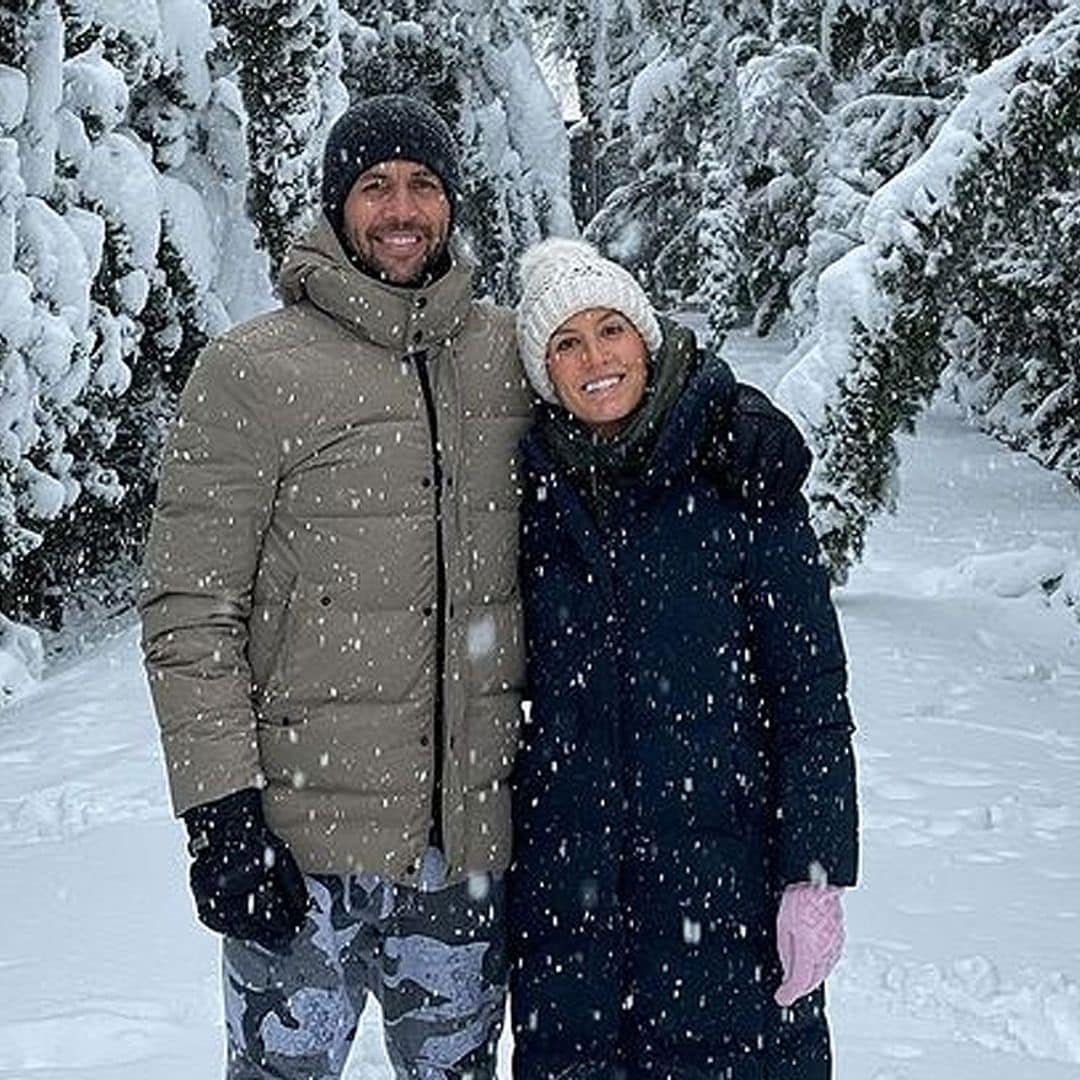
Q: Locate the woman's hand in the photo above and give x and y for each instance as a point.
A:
(809, 938)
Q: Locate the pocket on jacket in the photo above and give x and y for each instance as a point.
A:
(337, 649)
(268, 630)
(362, 750)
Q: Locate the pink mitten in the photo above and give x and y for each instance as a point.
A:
(809, 938)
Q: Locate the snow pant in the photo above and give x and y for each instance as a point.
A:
(435, 961)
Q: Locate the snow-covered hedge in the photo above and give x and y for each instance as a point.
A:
(891, 310)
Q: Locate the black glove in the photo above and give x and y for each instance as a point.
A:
(757, 450)
(245, 881)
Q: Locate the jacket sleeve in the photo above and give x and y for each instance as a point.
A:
(800, 661)
(215, 497)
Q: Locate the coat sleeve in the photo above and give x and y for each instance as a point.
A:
(216, 493)
(800, 661)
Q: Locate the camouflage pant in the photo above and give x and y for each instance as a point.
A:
(434, 960)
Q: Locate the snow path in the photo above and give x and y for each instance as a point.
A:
(963, 955)
(966, 931)
(964, 936)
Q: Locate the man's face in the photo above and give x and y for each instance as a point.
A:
(397, 218)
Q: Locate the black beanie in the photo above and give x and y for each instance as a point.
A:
(384, 128)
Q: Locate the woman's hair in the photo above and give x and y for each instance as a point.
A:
(561, 277)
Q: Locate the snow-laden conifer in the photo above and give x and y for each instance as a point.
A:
(476, 67)
(785, 94)
(720, 233)
(889, 307)
(1012, 306)
(288, 61)
(651, 223)
(123, 248)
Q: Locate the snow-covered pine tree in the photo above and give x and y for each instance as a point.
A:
(17, 427)
(288, 67)
(898, 68)
(51, 445)
(796, 22)
(473, 62)
(607, 44)
(895, 370)
(720, 239)
(868, 140)
(907, 46)
(579, 32)
(661, 84)
(720, 232)
(650, 223)
(785, 93)
(14, 22)
(982, 30)
(1014, 309)
(104, 180)
(124, 239)
(891, 306)
(895, 79)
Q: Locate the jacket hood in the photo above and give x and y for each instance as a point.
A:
(400, 317)
(709, 394)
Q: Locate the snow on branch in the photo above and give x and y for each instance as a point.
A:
(885, 308)
(124, 245)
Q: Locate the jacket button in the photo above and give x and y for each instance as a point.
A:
(424, 740)
(418, 336)
(427, 610)
(325, 601)
(426, 482)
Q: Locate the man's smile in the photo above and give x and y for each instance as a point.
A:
(402, 241)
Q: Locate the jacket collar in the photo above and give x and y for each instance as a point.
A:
(395, 317)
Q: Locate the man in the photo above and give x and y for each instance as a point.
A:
(331, 626)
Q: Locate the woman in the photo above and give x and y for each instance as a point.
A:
(685, 813)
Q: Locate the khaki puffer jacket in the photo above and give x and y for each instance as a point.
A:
(311, 538)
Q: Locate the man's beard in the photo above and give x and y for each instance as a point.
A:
(435, 263)
(434, 266)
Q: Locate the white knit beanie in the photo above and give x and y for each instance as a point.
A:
(561, 277)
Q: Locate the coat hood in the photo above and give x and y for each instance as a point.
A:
(400, 317)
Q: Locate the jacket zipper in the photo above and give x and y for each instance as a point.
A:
(436, 837)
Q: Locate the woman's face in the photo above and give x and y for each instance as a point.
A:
(596, 361)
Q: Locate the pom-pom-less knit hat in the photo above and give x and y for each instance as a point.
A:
(386, 128)
(561, 277)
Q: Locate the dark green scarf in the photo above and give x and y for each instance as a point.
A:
(600, 465)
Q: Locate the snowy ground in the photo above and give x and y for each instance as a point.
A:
(964, 937)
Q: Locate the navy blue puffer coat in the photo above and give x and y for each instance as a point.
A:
(687, 754)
